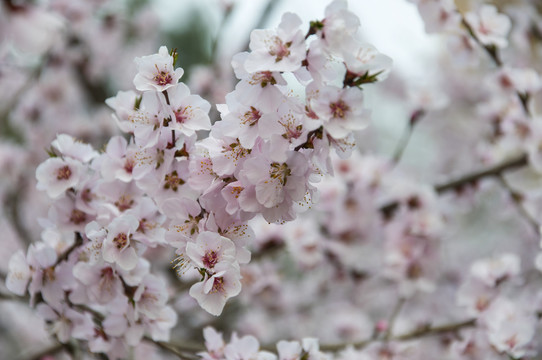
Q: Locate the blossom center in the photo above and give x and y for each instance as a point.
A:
(124, 202)
(64, 173)
(49, 274)
(218, 285)
(120, 241)
(339, 109)
(77, 216)
(280, 172)
(210, 259)
(236, 191)
(251, 117)
(107, 272)
(181, 115)
(129, 165)
(162, 77)
(263, 78)
(173, 181)
(293, 131)
(279, 49)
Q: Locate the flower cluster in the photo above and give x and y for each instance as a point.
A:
(163, 185)
(197, 211)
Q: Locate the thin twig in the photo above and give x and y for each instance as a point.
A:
(475, 176)
(493, 53)
(466, 180)
(78, 242)
(436, 330)
(490, 50)
(393, 317)
(517, 198)
(174, 350)
(415, 334)
(405, 137)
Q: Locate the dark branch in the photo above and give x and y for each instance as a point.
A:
(466, 180)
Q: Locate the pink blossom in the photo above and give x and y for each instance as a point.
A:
(155, 72)
(490, 27)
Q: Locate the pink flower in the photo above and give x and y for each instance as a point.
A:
(19, 274)
(213, 292)
(117, 247)
(210, 249)
(56, 175)
(189, 112)
(282, 49)
(490, 27)
(155, 72)
(340, 110)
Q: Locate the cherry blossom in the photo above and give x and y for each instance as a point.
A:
(490, 27)
(156, 72)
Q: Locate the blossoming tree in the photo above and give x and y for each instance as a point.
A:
(270, 221)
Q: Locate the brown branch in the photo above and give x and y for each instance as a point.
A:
(469, 179)
(491, 50)
(436, 330)
(465, 180)
(405, 137)
(415, 334)
(78, 242)
(493, 53)
(393, 317)
(183, 352)
(518, 198)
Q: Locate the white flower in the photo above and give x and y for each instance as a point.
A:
(101, 282)
(339, 25)
(439, 15)
(56, 175)
(210, 249)
(119, 160)
(246, 347)
(213, 292)
(117, 247)
(340, 109)
(510, 327)
(190, 112)
(282, 49)
(214, 344)
(156, 72)
(494, 270)
(151, 296)
(19, 274)
(489, 26)
(365, 60)
(124, 105)
(68, 146)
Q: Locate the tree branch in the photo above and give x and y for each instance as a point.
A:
(393, 317)
(517, 198)
(469, 179)
(405, 137)
(466, 180)
(52, 350)
(436, 330)
(415, 334)
(183, 352)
